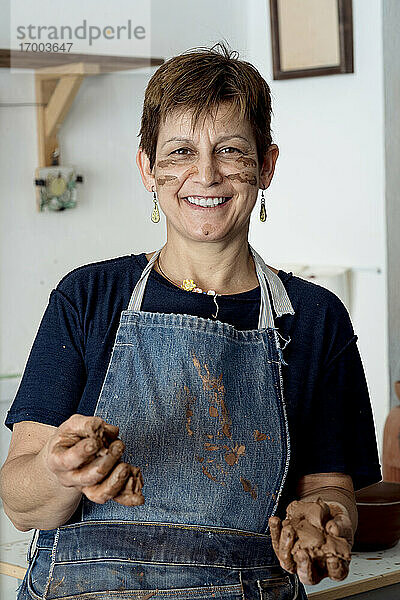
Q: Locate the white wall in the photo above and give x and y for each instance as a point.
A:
(325, 204)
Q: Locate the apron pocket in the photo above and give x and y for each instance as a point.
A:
(122, 580)
(279, 587)
(223, 592)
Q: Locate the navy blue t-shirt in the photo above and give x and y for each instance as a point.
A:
(329, 412)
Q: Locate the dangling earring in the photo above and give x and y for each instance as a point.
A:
(155, 215)
(263, 212)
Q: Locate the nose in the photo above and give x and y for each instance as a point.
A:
(208, 170)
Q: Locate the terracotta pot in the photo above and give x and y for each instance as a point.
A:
(391, 443)
(378, 517)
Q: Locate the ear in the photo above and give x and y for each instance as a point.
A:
(143, 163)
(268, 166)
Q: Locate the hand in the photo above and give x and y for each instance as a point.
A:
(314, 540)
(85, 453)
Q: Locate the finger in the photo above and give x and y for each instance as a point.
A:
(63, 457)
(110, 486)
(285, 559)
(286, 543)
(81, 426)
(303, 567)
(96, 470)
(337, 568)
(131, 494)
(108, 433)
(138, 477)
(275, 528)
(332, 527)
(336, 546)
(107, 457)
(341, 526)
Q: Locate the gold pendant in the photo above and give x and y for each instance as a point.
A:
(155, 215)
(263, 214)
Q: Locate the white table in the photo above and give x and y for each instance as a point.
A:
(368, 571)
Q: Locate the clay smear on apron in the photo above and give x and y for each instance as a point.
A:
(218, 410)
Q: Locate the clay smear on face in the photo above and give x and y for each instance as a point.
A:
(243, 178)
(169, 179)
(207, 228)
(246, 161)
(165, 179)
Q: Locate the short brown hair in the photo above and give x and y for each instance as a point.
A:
(198, 80)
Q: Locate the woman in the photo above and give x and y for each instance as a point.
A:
(178, 353)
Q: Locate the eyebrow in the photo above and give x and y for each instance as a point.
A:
(221, 139)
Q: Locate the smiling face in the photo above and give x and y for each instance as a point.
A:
(216, 165)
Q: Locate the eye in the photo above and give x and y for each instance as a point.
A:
(231, 148)
(178, 150)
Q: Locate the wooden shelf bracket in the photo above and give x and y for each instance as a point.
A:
(55, 93)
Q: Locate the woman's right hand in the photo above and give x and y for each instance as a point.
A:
(84, 453)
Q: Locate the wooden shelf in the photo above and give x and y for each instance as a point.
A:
(17, 59)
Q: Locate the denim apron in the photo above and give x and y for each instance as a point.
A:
(200, 408)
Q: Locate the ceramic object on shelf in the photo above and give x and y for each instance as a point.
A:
(378, 508)
(391, 442)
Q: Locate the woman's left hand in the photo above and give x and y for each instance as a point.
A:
(314, 540)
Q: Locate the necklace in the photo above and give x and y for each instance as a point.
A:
(190, 286)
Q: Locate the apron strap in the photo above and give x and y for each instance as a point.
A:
(280, 298)
(137, 295)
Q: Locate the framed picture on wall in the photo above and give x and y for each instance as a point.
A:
(311, 37)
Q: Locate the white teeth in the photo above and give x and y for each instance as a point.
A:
(206, 201)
